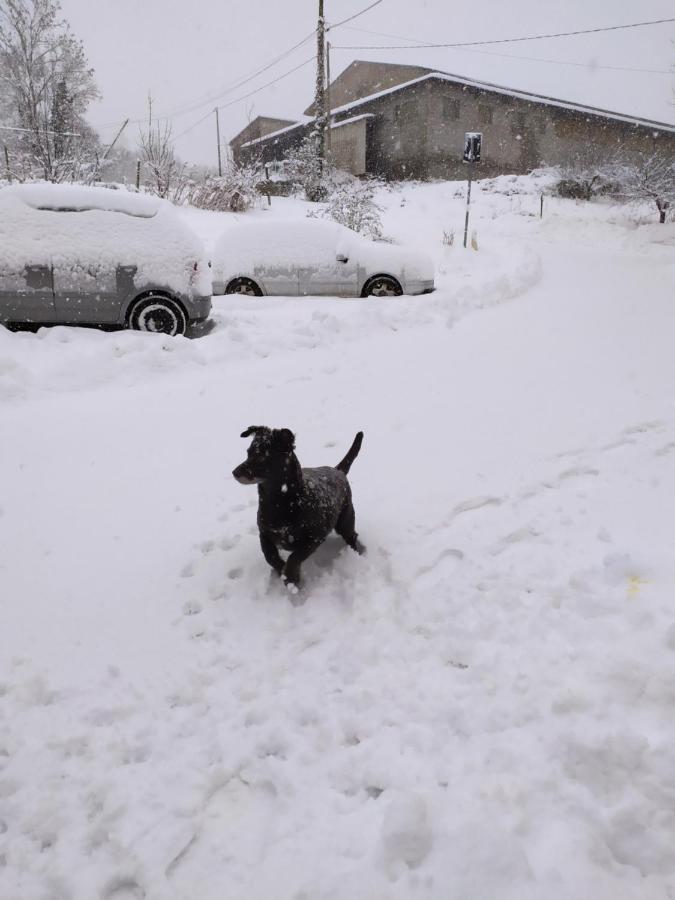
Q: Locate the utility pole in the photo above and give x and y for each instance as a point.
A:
(328, 104)
(107, 152)
(220, 161)
(320, 96)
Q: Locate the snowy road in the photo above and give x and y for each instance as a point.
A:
(480, 707)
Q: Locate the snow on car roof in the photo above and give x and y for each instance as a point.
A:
(80, 198)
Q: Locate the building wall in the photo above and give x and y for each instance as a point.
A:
(419, 132)
(348, 147)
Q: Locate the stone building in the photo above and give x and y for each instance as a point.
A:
(399, 121)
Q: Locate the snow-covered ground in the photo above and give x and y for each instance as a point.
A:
(480, 707)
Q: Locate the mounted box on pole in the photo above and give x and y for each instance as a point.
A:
(473, 144)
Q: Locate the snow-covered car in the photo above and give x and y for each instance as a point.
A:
(312, 257)
(96, 256)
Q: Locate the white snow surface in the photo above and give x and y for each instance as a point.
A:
(479, 707)
(72, 227)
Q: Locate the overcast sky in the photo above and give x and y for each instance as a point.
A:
(190, 53)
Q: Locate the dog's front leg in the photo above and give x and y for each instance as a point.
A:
(295, 560)
(271, 554)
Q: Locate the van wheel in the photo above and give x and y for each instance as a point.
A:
(243, 286)
(159, 314)
(382, 286)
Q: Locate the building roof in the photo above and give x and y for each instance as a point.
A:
(510, 92)
(274, 134)
(362, 73)
(262, 125)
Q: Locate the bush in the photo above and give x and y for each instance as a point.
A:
(235, 191)
(351, 204)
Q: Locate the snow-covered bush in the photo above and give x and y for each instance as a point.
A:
(351, 203)
(235, 191)
(591, 172)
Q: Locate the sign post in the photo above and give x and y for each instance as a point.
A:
(473, 141)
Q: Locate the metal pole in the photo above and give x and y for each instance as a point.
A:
(468, 203)
(220, 161)
(541, 207)
(9, 171)
(138, 174)
(328, 107)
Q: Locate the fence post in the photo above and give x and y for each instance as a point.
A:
(541, 206)
(9, 171)
(138, 174)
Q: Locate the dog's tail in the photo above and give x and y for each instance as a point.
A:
(346, 464)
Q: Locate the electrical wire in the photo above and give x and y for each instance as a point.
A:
(209, 98)
(560, 62)
(246, 96)
(355, 16)
(532, 37)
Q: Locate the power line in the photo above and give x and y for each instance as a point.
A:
(246, 96)
(209, 98)
(355, 16)
(560, 62)
(532, 37)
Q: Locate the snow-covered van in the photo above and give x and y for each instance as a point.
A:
(97, 256)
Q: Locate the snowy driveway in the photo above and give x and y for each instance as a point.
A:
(481, 707)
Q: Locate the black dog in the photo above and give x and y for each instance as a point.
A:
(297, 508)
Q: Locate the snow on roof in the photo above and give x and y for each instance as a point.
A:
(280, 131)
(510, 92)
(351, 121)
(76, 197)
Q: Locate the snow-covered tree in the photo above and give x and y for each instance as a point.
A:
(47, 86)
(165, 174)
(649, 177)
(306, 170)
(352, 204)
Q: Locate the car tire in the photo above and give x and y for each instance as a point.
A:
(159, 314)
(244, 286)
(382, 286)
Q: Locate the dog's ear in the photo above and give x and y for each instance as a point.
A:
(283, 439)
(254, 429)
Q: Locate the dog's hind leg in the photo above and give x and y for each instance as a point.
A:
(345, 527)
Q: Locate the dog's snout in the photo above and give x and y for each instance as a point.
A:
(243, 475)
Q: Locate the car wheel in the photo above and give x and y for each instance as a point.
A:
(382, 286)
(243, 286)
(159, 314)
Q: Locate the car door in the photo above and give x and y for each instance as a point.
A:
(329, 266)
(86, 292)
(26, 293)
(274, 250)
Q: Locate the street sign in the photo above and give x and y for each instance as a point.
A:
(473, 141)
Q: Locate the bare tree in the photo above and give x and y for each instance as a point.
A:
(47, 87)
(167, 174)
(649, 176)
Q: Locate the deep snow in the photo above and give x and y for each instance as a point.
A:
(480, 707)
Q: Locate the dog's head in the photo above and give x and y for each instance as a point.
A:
(267, 455)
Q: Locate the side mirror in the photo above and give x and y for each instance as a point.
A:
(342, 258)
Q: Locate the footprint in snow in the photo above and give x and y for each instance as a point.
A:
(123, 889)
(476, 503)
